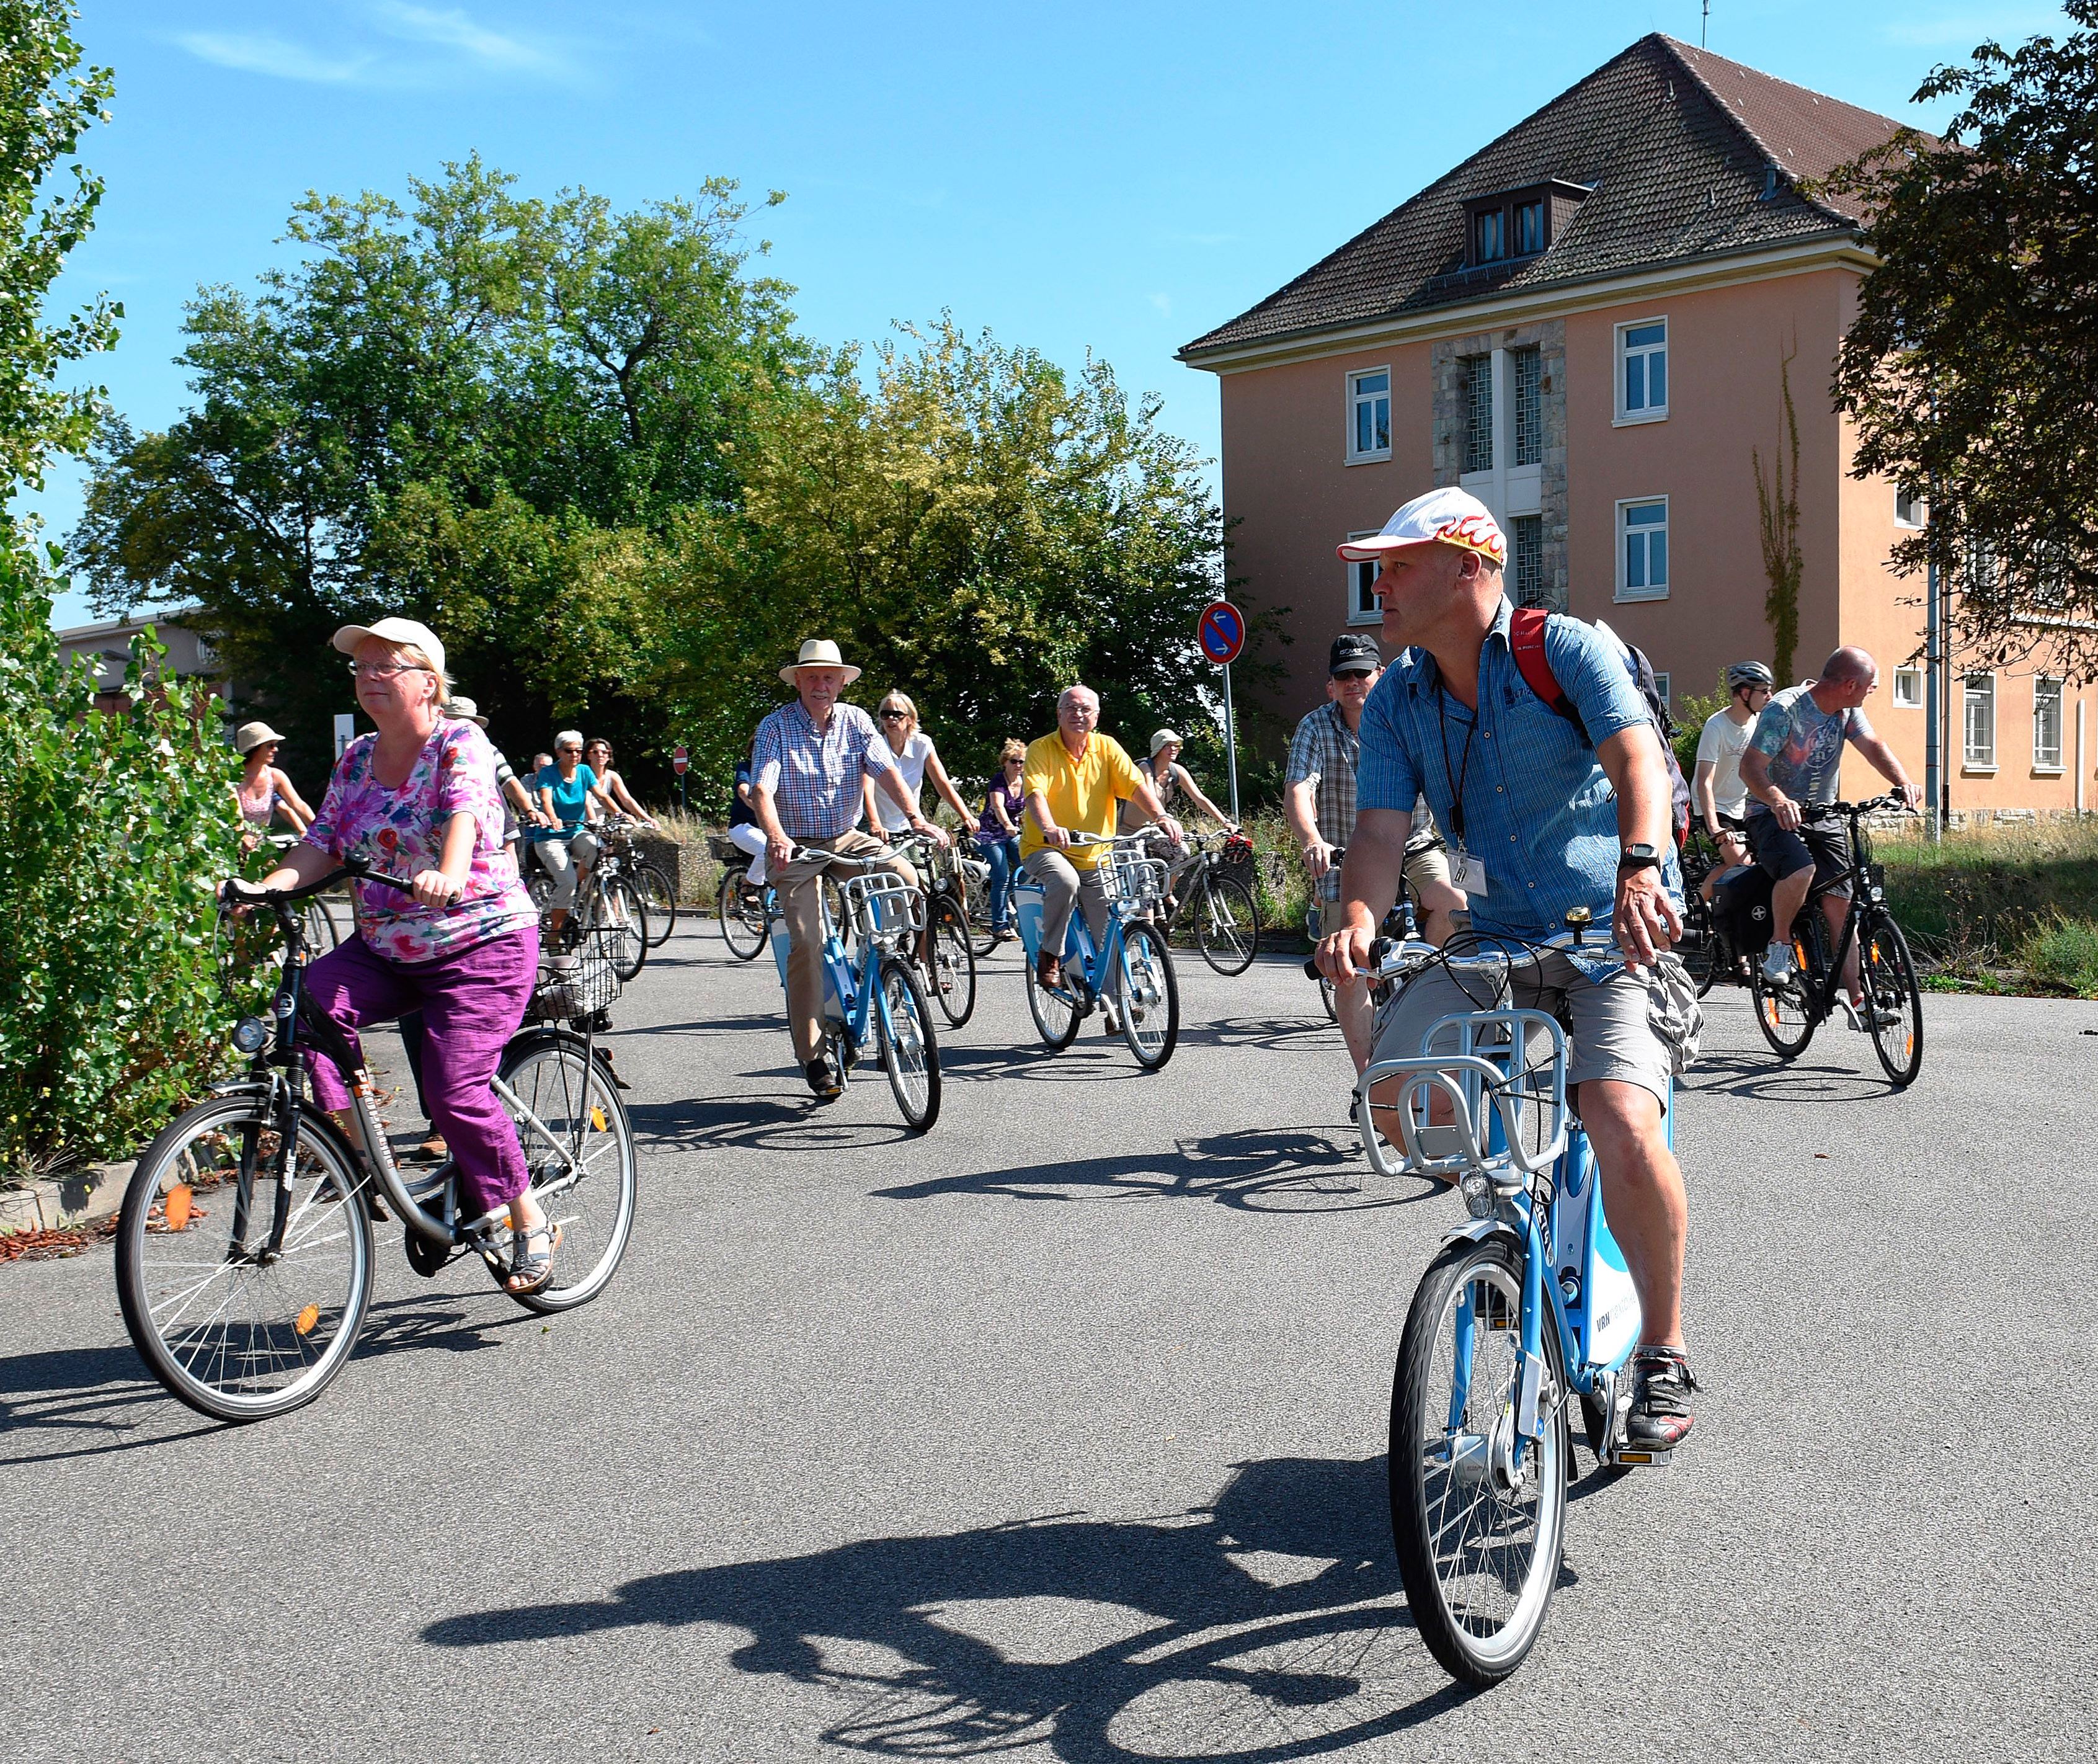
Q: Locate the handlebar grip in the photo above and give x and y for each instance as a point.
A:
(1379, 949)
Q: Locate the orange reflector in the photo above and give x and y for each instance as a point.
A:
(597, 1115)
(176, 1206)
(307, 1318)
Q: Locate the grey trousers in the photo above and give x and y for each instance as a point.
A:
(1063, 885)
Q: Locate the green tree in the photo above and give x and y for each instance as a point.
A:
(1971, 367)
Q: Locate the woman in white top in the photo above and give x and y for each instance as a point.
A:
(916, 758)
(264, 791)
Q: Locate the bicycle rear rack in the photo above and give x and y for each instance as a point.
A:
(1491, 1064)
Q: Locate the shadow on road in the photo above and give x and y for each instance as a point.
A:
(1299, 1169)
(788, 1123)
(1268, 1625)
(1760, 1075)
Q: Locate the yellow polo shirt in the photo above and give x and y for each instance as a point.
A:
(1081, 793)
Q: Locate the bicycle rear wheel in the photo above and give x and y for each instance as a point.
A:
(661, 901)
(1150, 1000)
(909, 1054)
(579, 1148)
(954, 962)
(1479, 1539)
(1783, 1011)
(976, 912)
(1227, 924)
(234, 1336)
(613, 906)
(1891, 994)
(317, 921)
(740, 907)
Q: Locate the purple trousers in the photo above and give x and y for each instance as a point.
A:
(472, 1003)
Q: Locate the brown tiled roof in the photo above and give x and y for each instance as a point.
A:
(1675, 142)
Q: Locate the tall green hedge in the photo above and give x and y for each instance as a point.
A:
(113, 830)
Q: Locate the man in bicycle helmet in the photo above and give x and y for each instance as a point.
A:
(1716, 791)
(1547, 820)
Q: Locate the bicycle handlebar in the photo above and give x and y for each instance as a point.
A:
(237, 892)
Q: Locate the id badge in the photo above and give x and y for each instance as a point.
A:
(1467, 873)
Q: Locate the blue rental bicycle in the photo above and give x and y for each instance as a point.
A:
(1131, 967)
(1527, 1307)
(872, 1001)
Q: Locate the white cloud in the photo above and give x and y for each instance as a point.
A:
(273, 56)
(453, 30)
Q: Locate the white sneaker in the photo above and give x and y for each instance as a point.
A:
(1777, 962)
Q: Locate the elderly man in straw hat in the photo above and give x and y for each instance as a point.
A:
(811, 760)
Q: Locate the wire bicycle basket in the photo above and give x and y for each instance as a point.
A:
(1130, 879)
(589, 985)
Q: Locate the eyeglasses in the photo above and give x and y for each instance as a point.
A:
(568, 750)
(896, 716)
(385, 670)
(1353, 673)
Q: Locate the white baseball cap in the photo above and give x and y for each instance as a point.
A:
(392, 631)
(1449, 514)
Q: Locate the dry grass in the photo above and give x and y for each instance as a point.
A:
(2002, 904)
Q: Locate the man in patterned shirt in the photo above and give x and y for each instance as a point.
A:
(811, 760)
(1319, 799)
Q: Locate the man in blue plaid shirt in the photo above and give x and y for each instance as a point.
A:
(1541, 819)
(809, 763)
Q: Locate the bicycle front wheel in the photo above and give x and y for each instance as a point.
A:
(741, 909)
(659, 899)
(1479, 1533)
(909, 1054)
(1783, 1011)
(1891, 994)
(1149, 999)
(954, 962)
(1226, 924)
(615, 909)
(236, 1333)
(579, 1150)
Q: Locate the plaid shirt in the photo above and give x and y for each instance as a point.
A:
(1325, 751)
(815, 778)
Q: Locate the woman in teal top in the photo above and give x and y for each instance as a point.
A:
(566, 850)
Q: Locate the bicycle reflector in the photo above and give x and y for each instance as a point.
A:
(251, 1035)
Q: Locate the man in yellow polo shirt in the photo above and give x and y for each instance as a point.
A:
(1073, 783)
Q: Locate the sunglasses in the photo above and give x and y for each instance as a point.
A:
(1353, 673)
(896, 716)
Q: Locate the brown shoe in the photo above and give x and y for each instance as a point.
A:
(1048, 971)
(433, 1150)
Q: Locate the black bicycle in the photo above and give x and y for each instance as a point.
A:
(950, 951)
(1214, 905)
(243, 1245)
(650, 880)
(1708, 952)
(1788, 1011)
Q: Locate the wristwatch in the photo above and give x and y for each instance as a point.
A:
(1641, 857)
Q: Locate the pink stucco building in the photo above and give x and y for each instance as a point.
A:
(1585, 324)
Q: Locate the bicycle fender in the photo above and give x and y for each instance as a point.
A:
(1478, 1231)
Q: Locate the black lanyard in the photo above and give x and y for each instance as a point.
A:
(1463, 766)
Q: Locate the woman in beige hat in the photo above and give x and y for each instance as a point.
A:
(264, 792)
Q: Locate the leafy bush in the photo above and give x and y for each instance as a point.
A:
(113, 829)
(2063, 953)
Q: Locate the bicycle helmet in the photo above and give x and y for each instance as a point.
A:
(1749, 674)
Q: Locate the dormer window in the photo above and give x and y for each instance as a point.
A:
(1515, 224)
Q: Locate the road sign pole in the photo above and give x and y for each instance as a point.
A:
(1231, 742)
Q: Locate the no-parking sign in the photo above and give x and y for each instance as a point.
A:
(1221, 631)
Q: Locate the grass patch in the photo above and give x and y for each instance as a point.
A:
(2000, 909)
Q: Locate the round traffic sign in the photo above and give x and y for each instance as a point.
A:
(1221, 631)
(678, 763)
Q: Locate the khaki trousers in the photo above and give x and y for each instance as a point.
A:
(800, 889)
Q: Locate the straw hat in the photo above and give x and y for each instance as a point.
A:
(252, 735)
(464, 709)
(818, 652)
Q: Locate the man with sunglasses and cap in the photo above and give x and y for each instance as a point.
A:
(811, 761)
(1545, 818)
(1319, 798)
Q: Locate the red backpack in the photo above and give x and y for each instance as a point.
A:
(1526, 641)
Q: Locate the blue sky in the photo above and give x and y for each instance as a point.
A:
(1117, 178)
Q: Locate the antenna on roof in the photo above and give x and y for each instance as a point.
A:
(1704, 23)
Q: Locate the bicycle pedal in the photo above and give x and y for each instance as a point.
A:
(1627, 1454)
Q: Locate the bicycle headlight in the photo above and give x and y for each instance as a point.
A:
(1478, 1194)
(251, 1035)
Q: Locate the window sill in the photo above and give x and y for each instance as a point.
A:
(1626, 595)
(1632, 419)
(1368, 459)
(1365, 618)
(2050, 771)
(1968, 769)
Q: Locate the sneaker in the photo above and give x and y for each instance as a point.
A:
(1777, 962)
(1661, 1383)
(1000, 934)
(823, 1078)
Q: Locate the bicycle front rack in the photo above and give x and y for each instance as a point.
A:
(884, 908)
(1130, 878)
(1488, 1080)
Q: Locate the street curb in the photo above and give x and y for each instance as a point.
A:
(61, 1202)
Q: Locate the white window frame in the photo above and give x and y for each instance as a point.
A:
(1620, 534)
(2046, 767)
(1918, 517)
(1652, 414)
(1971, 756)
(1908, 689)
(1355, 616)
(1661, 685)
(1356, 399)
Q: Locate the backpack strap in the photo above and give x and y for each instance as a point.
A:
(1527, 643)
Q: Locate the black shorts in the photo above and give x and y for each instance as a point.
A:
(1730, 823)
(1825, 845)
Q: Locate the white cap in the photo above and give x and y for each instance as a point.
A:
(1165, 738)
(391, 630)
(1451, 515)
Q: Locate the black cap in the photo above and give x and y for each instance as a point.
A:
(1352, 650)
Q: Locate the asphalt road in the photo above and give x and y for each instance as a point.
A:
(1058, 1434)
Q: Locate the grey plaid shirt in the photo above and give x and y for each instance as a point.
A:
(1325, 750)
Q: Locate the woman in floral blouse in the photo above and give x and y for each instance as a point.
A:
(419, 800)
